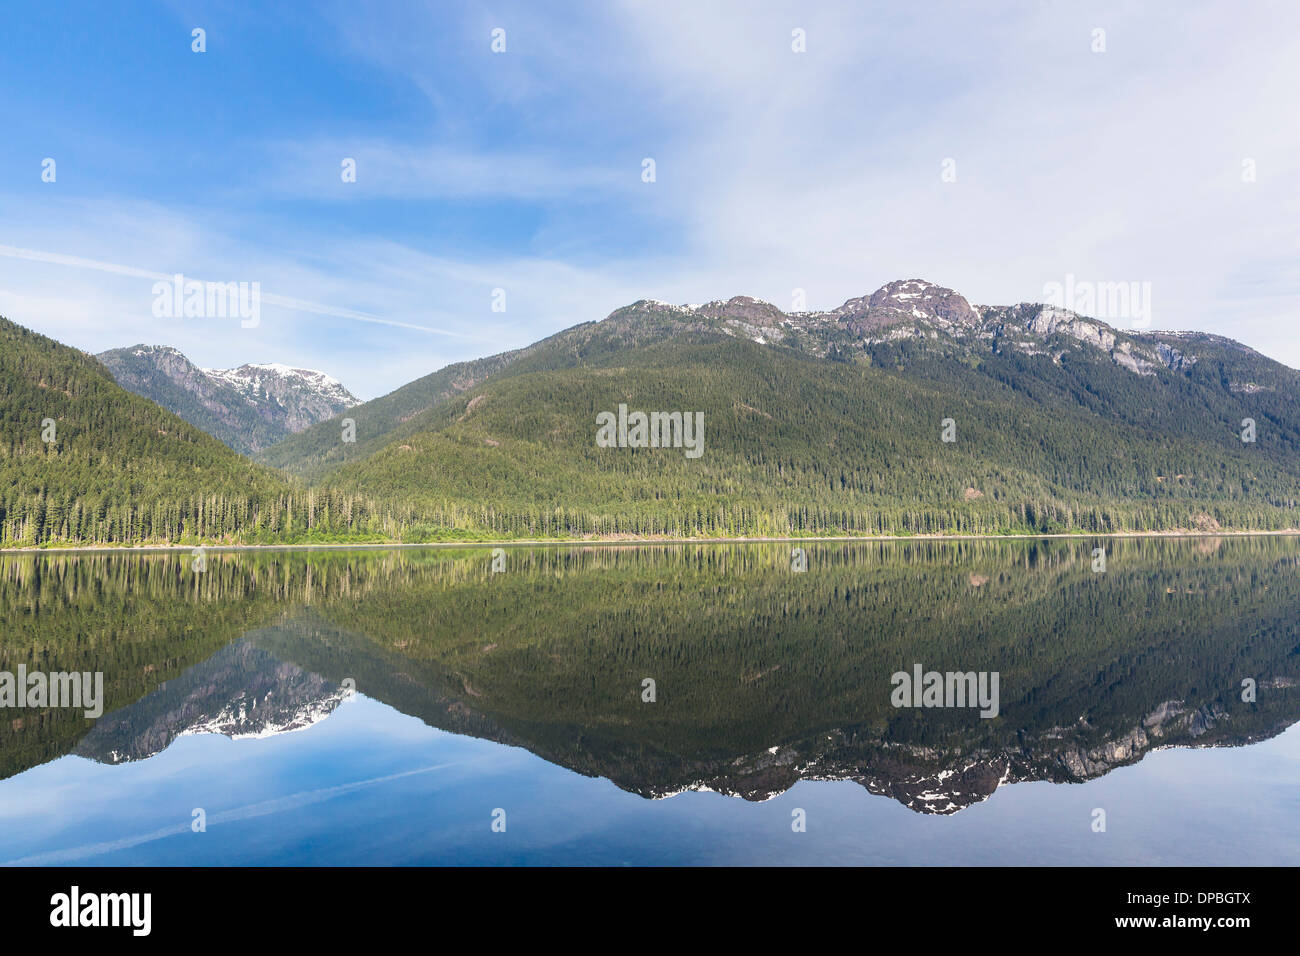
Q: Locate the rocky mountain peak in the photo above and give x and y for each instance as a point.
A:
(287, 385)
(917, 309)
(907, 300)
(745, 309)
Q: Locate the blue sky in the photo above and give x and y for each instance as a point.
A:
(521, 170)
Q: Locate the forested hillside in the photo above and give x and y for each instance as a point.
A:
(316, 451)
(796, 445)
(120, 470)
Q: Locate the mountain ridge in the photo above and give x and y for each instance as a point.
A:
(248, 408)
(885, 316)
(830, 422)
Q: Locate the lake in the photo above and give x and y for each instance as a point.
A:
(675, 704)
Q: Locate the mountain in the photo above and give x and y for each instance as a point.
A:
(83, 460)
(248, 408)
(908, 411)
(301, 396)
(833, 422)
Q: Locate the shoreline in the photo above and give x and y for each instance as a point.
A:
(634, 542)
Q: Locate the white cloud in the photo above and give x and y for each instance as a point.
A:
(393, 170)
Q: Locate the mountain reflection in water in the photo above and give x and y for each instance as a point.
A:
(763, 676)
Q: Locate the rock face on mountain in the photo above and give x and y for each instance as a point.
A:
(906, 301)
(916, 309)
(248, 408)
(303, 396)
(744, 309)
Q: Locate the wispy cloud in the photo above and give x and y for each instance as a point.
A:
(409, 171)
(284, 302)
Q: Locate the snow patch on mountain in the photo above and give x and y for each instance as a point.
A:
(272, 377)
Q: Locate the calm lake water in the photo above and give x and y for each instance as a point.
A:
(391, 706)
